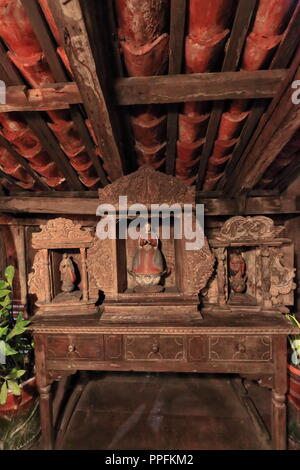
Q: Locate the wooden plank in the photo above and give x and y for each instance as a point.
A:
(52, 147)
(24, 163)
(231, 170)
(176, 45)
(256, 120)
(87, 206)
(42, 32)
(235, 46)
(211, 134)
(11, 180)
(70, 20)
(288, 175)
(198, 87)
(78, 120)
(276, 133)
(101, 26)
(11, 76)
(289, 42)
(54, 96)
(2, 191)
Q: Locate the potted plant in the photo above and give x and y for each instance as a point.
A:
(18, 402)
(294, 385)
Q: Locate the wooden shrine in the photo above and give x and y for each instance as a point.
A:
(255, 266)
(102, 267)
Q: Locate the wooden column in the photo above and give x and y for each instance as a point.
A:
(279, 391)
(84, 276)
(265, 276)
(221, 256)
(44, 388)
(19, 240)
(47, 279)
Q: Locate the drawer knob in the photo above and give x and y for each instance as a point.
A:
(71, 348)
(242, 348)
(155, 348)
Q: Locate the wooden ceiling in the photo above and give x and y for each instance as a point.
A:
(201, 89)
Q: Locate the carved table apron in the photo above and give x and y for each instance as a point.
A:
(253, 345)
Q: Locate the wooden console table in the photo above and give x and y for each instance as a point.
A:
(243, 343)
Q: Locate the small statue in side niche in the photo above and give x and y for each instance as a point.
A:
(67, 273)
(237, 273)
(148, 263)
(282, 279)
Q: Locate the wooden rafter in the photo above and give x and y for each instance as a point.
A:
(44, 36)
(11, 180)
(108, 33)
(288, 175)
(23, 162)
(235, 46)
(42, 32)
(2, 190)
(255, 122)
(52, 96)
(198, 87)
(40, 128)
(70, 20)
(177, 29)
(78, 205)
(88, 143)
(8, 72)
(52, 147)
(204, 87)
(261, 129)
(277, 132)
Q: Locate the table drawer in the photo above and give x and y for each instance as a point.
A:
(154, 348)
(240, 348)
(75, 347)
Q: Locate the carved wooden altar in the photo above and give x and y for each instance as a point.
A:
(245, 284)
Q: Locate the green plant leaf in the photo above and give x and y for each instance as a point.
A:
(12, 374)
(4, 293)
(15, 374)
(6, 303)
(3, 394)
(9, 351)
(9, 274)
(3, 284)
(19, 328)
(3, 331)
(20, 373)
(14, 387)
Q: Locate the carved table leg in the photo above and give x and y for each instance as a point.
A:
(46, 417)
(279, 391)
(44, 388)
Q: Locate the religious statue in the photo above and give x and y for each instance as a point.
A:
(237, 273)
(148, 263)
(67, 273)
(282, 279)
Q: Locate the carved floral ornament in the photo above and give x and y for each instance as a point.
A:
(36, 279)
(62, 233)
(249, 228)
(147, 186)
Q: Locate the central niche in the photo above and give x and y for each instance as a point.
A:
(169, 251)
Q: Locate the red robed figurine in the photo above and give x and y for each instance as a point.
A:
(148, 263)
